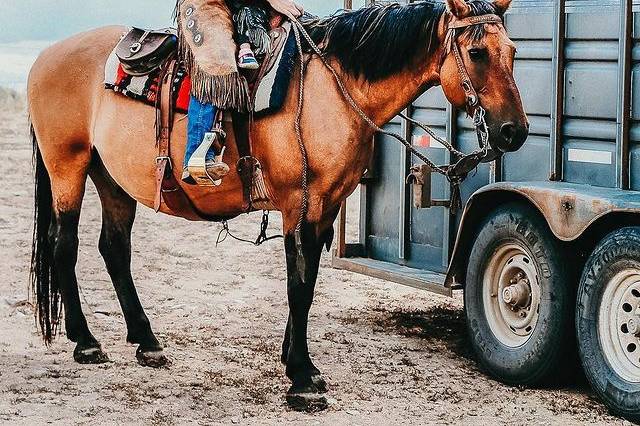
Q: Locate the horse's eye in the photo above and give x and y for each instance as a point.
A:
(477, 54)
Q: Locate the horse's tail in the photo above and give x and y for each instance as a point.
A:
(44, 283)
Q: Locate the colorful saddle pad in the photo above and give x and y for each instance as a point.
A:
(145, 88)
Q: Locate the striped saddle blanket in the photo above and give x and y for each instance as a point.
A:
(145, 88)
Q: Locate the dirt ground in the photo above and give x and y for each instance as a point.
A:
(391, 355)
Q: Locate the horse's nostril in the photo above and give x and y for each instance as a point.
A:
(508, 131)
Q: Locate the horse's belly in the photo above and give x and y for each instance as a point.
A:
(125, 138)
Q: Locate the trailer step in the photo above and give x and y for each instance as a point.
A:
(412, 277)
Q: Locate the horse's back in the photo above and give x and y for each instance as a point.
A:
(65, 84)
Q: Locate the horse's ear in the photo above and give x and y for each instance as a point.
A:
(459, 8)
(502, 6)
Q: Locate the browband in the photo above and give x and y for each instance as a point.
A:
(475, 20)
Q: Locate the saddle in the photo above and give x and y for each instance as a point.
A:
(168, 189)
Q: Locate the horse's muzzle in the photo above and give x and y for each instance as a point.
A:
(511, 136)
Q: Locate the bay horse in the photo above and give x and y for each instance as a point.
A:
(386, 55)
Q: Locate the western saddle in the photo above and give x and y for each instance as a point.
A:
(142, 52)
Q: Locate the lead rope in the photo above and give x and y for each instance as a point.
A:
(304, 208)
(433, 134)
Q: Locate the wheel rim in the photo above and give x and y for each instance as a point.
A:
(619, 324)
(511, 295)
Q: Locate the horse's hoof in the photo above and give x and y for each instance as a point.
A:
(89, 355)
(153, 358)
(320, 383)
(306, 399)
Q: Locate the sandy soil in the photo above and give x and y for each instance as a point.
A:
(392, 355)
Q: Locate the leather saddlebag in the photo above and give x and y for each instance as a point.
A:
(143, 51)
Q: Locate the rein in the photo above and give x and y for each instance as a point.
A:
(453, 173)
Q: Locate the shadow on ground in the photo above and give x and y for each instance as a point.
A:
(444, 326)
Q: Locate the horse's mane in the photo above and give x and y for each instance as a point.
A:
(380, 40)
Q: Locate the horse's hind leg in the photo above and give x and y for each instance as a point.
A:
(67, 190)
(118, 214)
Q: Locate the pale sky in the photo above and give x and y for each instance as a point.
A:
(55, 19)
(28, 26)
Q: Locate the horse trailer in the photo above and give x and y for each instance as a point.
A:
(547, 248)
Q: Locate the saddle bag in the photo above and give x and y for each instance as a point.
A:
(143, 51)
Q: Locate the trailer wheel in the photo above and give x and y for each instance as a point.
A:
(608, 321)
(518, 305)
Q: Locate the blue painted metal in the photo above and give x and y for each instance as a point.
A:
(578, 70)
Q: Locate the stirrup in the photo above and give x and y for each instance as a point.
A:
(204, 170)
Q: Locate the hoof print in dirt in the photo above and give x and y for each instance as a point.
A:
(152, 358)
(309, 402)
(93, 355)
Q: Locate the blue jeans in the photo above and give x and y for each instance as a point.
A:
(201, 117)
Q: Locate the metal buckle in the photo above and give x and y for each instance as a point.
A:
(220, 132)
(135, 48)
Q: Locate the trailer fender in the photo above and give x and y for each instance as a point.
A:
(569, 210)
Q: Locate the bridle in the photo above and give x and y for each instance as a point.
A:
(472, 99)
(451, 41)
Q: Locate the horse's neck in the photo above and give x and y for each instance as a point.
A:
(384, 99)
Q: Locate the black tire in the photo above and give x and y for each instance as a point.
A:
(618, 252)
(549, 354)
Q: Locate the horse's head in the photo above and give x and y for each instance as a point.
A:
(487, 56)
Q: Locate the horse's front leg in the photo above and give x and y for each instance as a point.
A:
(307, 384)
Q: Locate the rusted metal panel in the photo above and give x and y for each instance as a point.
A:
(558, 91)
(569, 208)
(412, 277)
